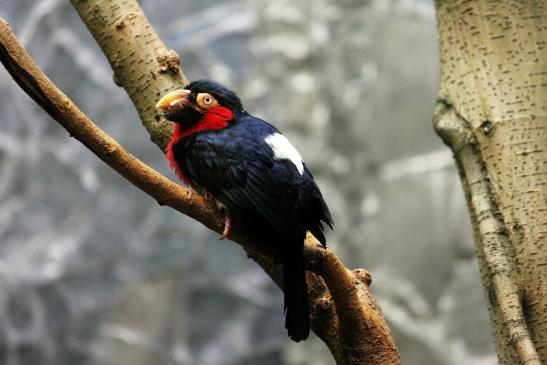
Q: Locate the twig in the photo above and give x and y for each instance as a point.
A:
(358, 335)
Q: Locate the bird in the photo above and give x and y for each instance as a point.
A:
(254, 174)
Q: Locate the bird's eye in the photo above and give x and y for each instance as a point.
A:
(206, 101)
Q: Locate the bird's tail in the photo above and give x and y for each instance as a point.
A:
(297, 313)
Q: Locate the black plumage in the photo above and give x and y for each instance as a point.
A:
(270, 194)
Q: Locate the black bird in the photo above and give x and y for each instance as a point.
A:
(255, 174)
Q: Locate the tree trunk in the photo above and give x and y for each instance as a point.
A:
(492, 113)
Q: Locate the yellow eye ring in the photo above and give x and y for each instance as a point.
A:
(206, 101)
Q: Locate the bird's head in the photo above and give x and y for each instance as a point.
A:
(187, 106)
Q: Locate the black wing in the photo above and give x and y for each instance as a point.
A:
(241, 173)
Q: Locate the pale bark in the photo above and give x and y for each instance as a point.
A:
(141, 62)
(492, 112)
(343, 311)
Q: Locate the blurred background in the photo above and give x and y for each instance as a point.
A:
(92, 271)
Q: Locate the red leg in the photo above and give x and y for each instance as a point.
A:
(208, 196)
(227, 217)
(227, 225)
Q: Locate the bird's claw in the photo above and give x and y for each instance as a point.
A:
(227, 226)
(209, 197)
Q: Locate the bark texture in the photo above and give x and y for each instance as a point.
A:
(344, 312)
(141, 62)
(492, 112)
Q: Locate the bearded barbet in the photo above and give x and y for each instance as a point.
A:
(255, 174)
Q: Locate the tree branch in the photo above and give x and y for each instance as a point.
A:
(494, 251)
(357, 335)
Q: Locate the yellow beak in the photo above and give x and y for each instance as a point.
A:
(173, 99)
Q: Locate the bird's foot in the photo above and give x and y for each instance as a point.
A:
(227, 225)
(209, 197)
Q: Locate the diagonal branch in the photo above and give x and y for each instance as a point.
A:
(344, 312)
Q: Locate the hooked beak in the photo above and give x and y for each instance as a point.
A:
(174, 102)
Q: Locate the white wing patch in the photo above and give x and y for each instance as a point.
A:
(284, 150)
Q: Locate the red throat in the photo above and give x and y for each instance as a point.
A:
(214, 119)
